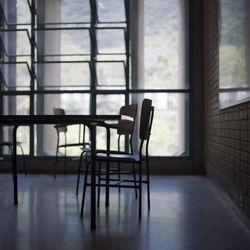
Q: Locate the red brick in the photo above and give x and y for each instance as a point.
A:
(244, 167)
(243, 114)
(243, 156)
(244, 178)
(237, 163)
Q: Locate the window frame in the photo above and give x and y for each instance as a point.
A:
(93, 91)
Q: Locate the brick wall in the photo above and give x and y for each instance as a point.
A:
(227, 149)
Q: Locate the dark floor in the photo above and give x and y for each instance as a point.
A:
(186, 213)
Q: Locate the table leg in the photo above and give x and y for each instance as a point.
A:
(93, 177)
(107, 166)
(14, 166)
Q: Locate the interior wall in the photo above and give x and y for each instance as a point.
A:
(227, 140)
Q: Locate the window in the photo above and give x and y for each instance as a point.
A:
(93, 57)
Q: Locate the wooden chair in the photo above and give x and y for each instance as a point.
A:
(124, 127)
(63, 129)
(147, 114)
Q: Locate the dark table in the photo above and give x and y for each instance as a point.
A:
(91, 121)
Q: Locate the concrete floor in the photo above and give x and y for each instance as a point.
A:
(186, 213)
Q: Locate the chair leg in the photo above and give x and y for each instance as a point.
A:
(84, 186)
(55, 168)
(12, 160)
(24, 165)
(140, 190)
(99, 182)
(107, 183)
(119, 175)
(79, 172)
(133, 167)
(65, 161)
(148, 184)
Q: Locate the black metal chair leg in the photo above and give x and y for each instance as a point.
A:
(133, 166)
(140, 190)
(148, 184)
(12, 160)
(65, 161)
(84, 187)
(55, 168)
(119, 175)
(79, 172)
(99, 182)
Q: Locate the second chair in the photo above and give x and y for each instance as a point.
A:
(124, 127)
(63, 129)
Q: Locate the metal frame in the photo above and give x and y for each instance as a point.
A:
(92, 60)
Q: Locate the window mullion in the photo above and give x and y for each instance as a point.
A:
(93, 56)
(32, 80)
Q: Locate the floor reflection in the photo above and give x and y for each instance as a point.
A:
(183, 211)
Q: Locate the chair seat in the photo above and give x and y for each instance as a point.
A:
(113, 156)
(118, 157)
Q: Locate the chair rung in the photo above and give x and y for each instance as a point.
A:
(114, 185)
(125, 180)
(115, 172)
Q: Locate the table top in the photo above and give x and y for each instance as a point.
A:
(54, 119)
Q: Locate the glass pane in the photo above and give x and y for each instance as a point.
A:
(59, 75)
(110, 74)
(234, 77)
(20, 14)
(46, 137)
(75, 42)
(15, 43)
(168, 135)
(63, 42)
(108, 104)
(23, 136)
(164, 44)
(111, 10)
(17, 105)
(77, 104)
(23, 12)
(64, 11)
(110, 41)
(75, 11)
(16, 75)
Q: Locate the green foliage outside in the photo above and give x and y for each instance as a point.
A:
(233, 44)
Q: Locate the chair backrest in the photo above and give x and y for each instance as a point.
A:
(126, 123)
(60, 111)
(146, 119)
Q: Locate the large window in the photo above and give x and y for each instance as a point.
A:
(234, 77)
(93, 57)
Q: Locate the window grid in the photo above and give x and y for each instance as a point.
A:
(35, 57)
